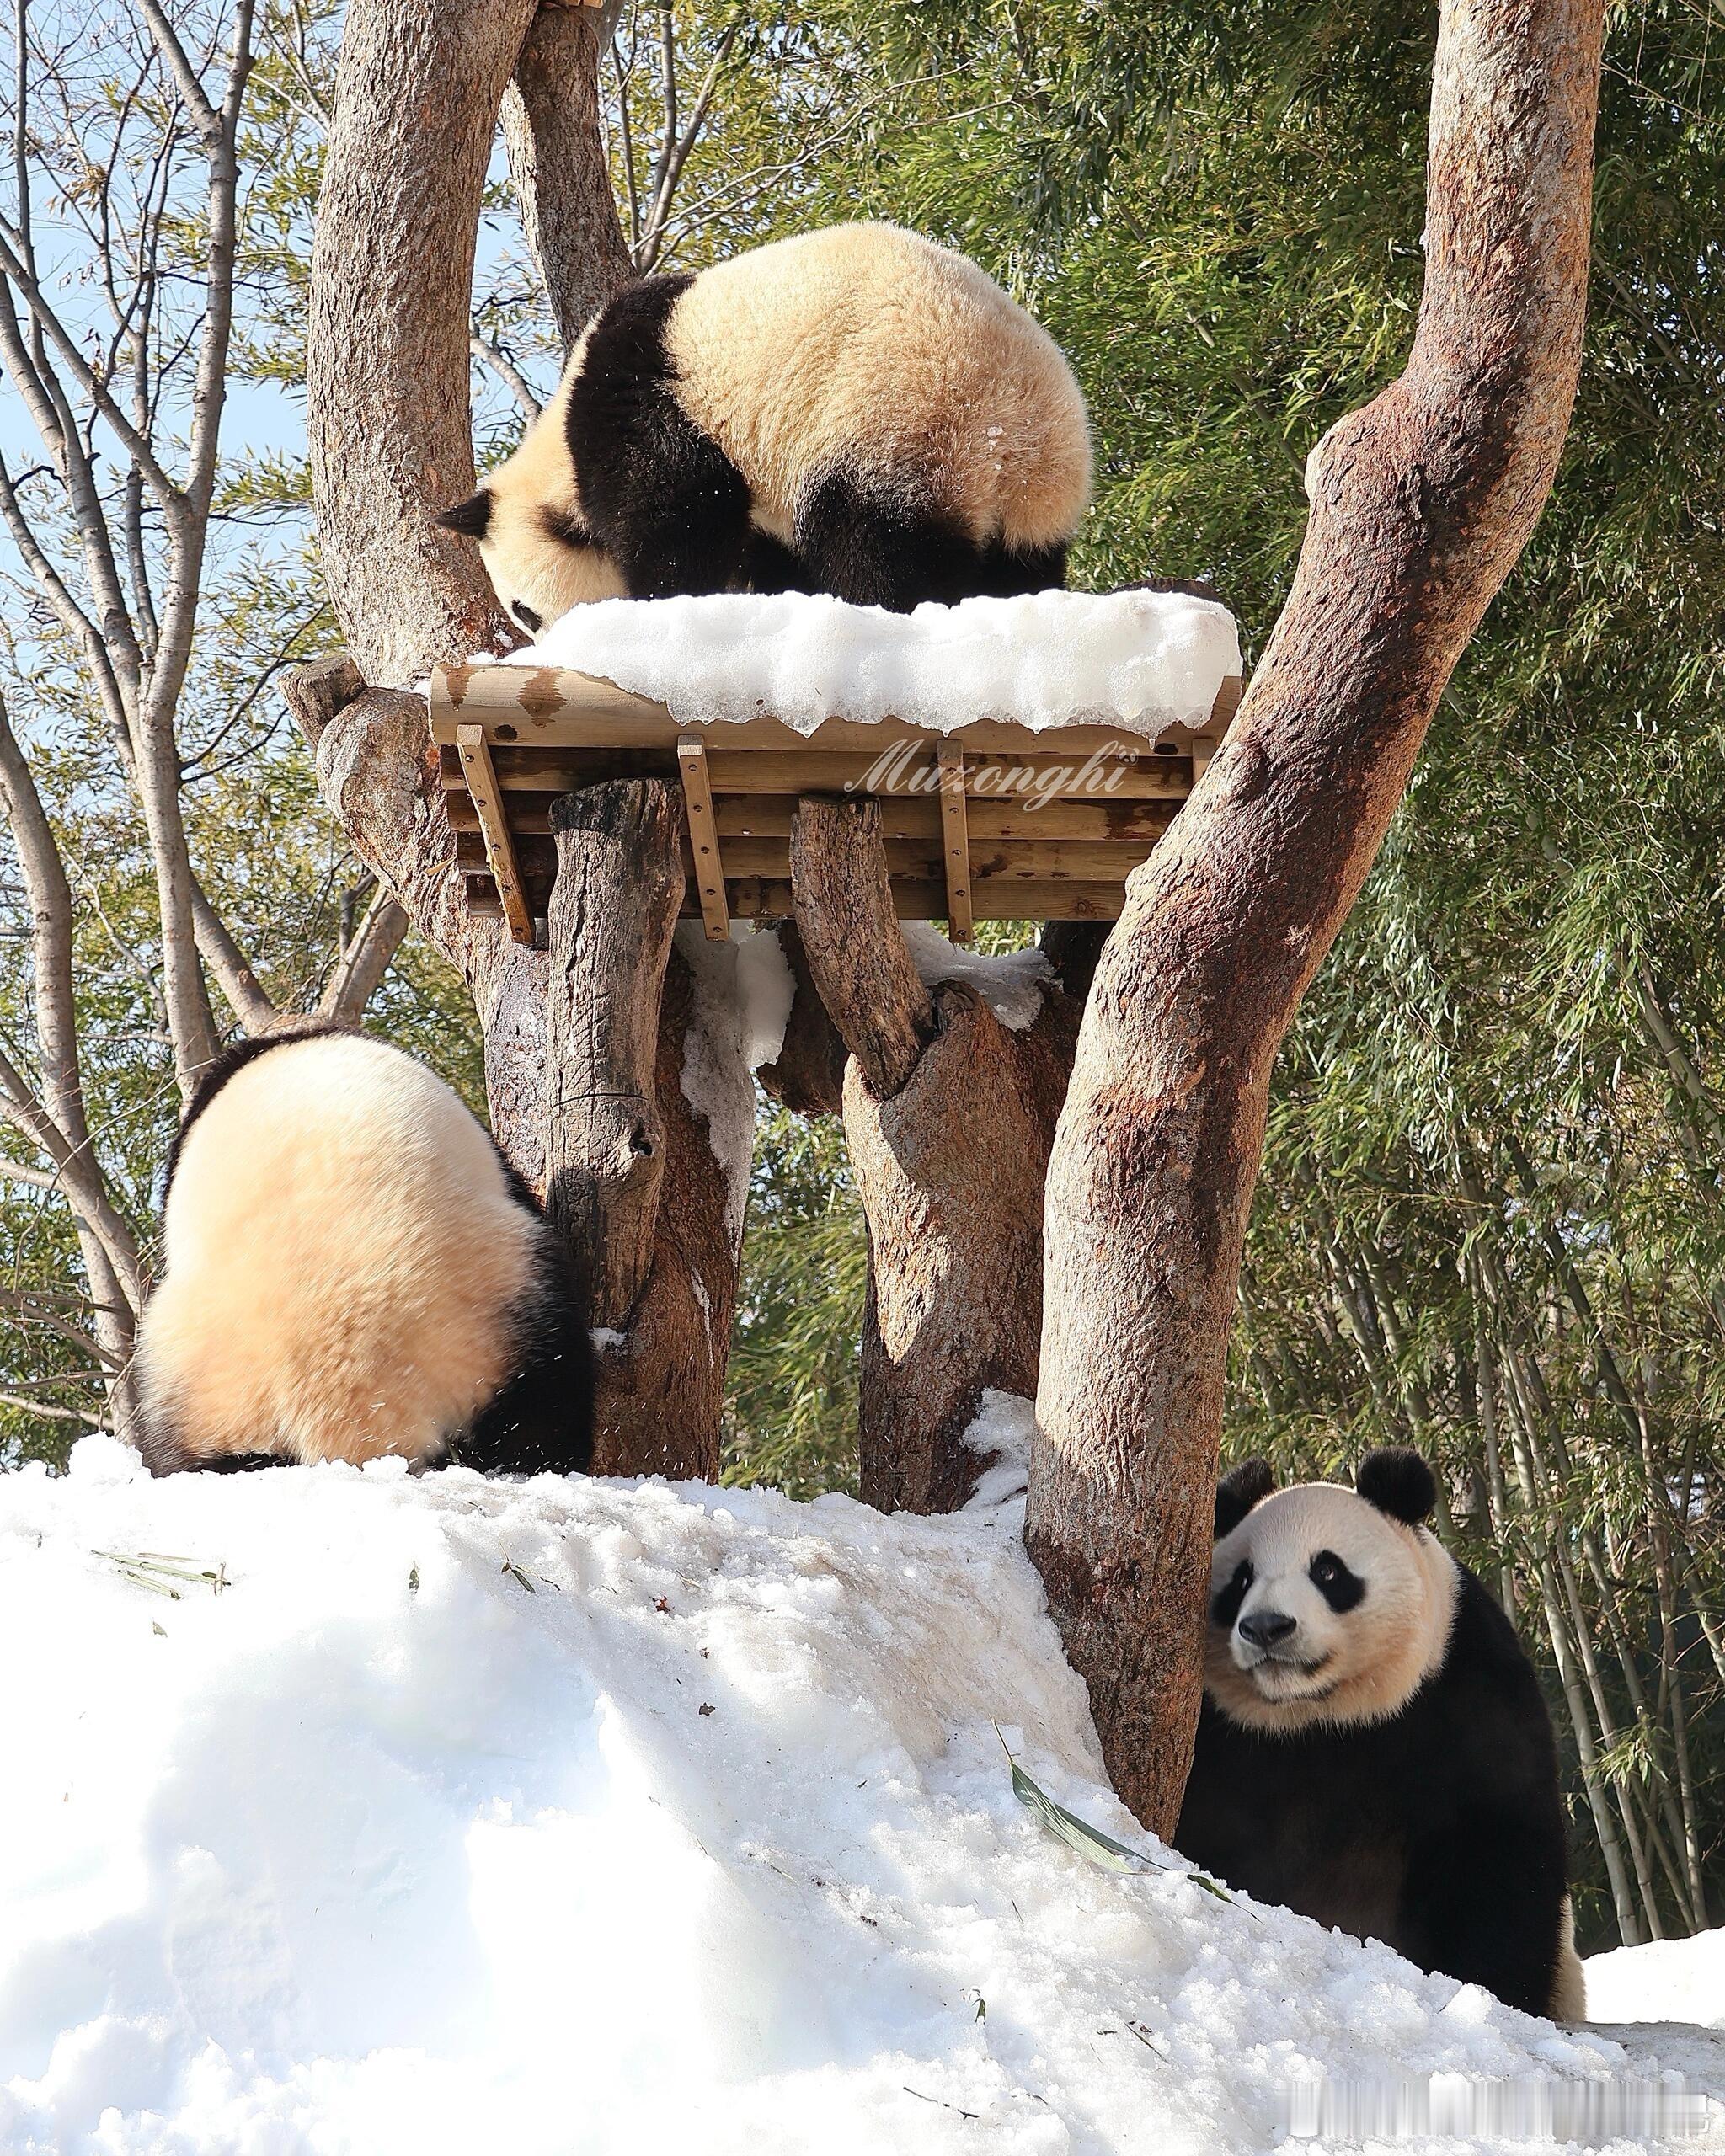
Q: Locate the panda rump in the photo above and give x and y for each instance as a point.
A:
(855, 411)
(352, 1270)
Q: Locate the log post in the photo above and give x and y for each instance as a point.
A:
(659, 1407)
(613, 908)
(949, 1117)
(807, 1075)
(1421, 503)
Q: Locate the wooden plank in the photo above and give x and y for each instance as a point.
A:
(1205, 745)
(487, 799)
(1050, 777)
(955, 842)
(1082, 861)
(748, 816)
(1010, 899)
(543, 706)
(704, 836)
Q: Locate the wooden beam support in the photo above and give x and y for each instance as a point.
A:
(858, 958)
(613, 908)
(487, 797)
(955, 840)
(704, 836)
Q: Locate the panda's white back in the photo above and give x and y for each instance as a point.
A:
(342, 1253)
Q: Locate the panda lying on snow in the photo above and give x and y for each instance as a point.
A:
(354, 1271)
(1373, 1751)
(854, 411)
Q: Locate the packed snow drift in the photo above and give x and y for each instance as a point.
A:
(1139, 660)
(391, 1815)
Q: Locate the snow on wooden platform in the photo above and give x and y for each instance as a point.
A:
(1142, 660)
(1027, 753)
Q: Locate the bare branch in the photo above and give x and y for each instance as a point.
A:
(509, 374)
(360, 969)
(47, 315)
(79, 1178)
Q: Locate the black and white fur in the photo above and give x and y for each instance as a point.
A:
(353, 1271)
(1374, 1750)
(854, 411)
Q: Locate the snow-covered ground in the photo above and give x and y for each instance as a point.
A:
(585, 1817)
(1141, 660)
(1673, 1980)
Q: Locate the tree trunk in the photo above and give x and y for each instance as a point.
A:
(418, 95)
(950, 1171)
(949, 1117)
(613, 910)
(557, 160)
(1420, 504)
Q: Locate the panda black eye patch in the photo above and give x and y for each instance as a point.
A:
(526, 615)
(1341, 1588)
(1225, 1608)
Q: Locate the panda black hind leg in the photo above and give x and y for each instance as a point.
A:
(861, 542)
(541, 1421)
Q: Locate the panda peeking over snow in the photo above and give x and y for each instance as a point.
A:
(353, 1272)
(855, 411)
(1373, 1750)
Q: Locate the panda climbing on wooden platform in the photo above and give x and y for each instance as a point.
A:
(854, 411)
(1374, 1750)
(353, 1271)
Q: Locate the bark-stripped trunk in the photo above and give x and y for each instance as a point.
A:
(418, 98)
(1420, 504)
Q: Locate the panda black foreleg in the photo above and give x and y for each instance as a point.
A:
(1482, 1901)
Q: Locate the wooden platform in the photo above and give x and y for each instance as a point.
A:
(993, 822)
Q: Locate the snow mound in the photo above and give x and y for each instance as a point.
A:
(1672, 1980)
(582, 1817)
(1140, 660)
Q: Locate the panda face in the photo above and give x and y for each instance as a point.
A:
(543, 563)
(534, 539)
(1324, 1607)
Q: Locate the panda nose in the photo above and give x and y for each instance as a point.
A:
(1267, 1628)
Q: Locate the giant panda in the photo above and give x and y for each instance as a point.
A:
(1373, 1748)
(352, 1270)
(855, 411)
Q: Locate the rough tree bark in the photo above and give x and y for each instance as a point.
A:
(613, 912)
(557, 162)
(949, 1117)
(1420, 504)
(418, 97)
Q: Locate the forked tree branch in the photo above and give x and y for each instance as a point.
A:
(1421, 503)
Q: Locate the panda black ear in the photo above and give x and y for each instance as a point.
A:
(1398, 1482)
(471, 518)
(1239, 1490)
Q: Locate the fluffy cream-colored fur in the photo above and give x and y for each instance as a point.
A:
(881, 353)
(1358, 1666)
(887, 352)
(342, 1253)
(1569, 1982)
